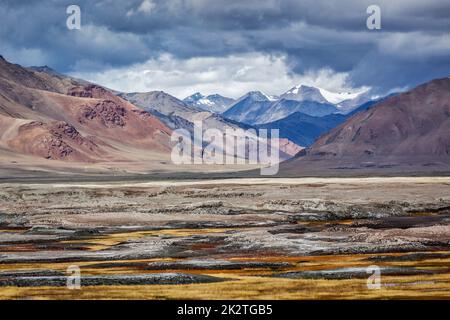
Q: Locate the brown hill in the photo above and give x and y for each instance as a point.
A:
(410, 130)
(50, 116)
(55, 140)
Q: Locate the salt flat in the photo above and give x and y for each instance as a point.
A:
(256, 181)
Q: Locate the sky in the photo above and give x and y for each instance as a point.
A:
(232, 46)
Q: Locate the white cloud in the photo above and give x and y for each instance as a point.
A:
(147, 6)
(231, 76)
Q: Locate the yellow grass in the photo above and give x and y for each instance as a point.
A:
(251, 283)
(109, 240)
(409, 287)
(240, 284)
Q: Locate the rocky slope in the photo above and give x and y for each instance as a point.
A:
(56, 140)
(415, 123)
(178, 114)
(411, 129)
(247, 108)
(52, 122)
(284, 108)
(50, 116)
(303, 129)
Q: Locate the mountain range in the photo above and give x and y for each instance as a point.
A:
(178, 114)
(304, 129)
(257, 108)
(46, 116)
(51, 121)
(415, 123)
(409, 131)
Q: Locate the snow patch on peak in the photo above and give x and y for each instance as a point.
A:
(338, 97)
(213, 103)
(259, 95)
(256, 95)
(205, 101)
(303, 92)
(268, 97)
(195, 97)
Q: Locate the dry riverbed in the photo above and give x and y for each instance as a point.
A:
(305, 238)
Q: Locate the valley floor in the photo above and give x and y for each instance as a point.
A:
(305, 238)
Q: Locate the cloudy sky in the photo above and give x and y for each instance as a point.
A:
(232, 46)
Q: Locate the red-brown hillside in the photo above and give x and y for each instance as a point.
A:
(63, 117)
(415, 123)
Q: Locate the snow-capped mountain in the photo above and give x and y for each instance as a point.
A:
(316, 94)
(248, 107)
(349, 105)
(409, 129)
(304, 93)
(283, 108)
(257, 96)
(257, 108)
(214, 102)
(177, 114)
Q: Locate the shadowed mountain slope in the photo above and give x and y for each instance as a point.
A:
(411, 129)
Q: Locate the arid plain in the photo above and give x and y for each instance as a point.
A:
(299, 238)
(189, 149)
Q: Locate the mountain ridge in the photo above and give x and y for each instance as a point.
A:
(56, 117)
(256, 108)
(409, 131)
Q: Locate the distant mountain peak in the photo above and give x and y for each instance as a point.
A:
(304, 93)
(344, 100)
(214, 102)
(258, 96)
(338, 97)
(196, 96)
(300, 87)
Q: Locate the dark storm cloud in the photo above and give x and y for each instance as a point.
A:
(413, 45)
